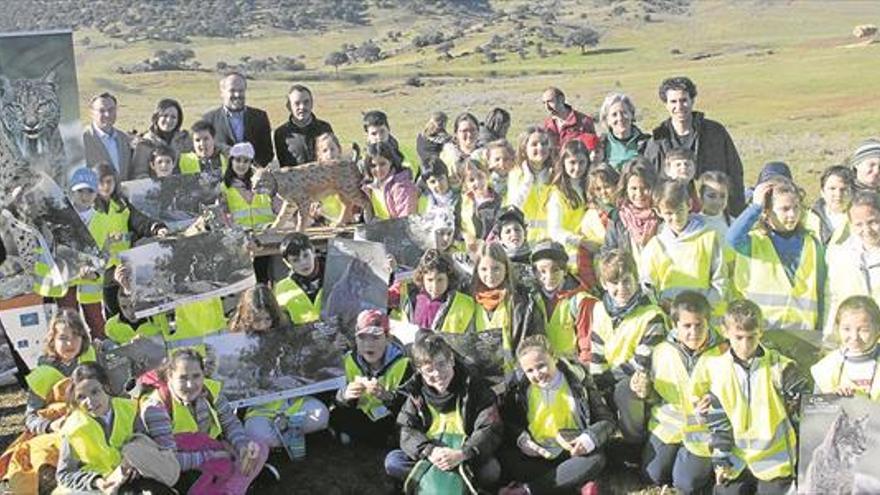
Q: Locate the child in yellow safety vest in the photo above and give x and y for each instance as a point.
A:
(259, 314)
(567, 205)
(780, 266)
(188, 414)
(601, 197)
(827, 218)
(206, 156)
(369, 402)
(29, 462)
(100, 450)
(529, 183)
(300, 292)
(625, 327)
(684, 255)
(480, 205)
(747, 397)
(677, 450)
(449, 424)
(564, 302)
(858, 258)
(249, 209)
(87, 290)
(556, 424)
(431, 299)
(854, 368)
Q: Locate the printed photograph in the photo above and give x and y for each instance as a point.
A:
(172, 272)
(404, 238)
(483, 352)
(260, 368)
(177, 201)
(356, 278)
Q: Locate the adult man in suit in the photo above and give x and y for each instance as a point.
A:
(105, 143)
(235, 122)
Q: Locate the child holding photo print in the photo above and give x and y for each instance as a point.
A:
(258, 313)
(854, 368)
(556, 424)
(101, 451)
(300, 292)
(29, 462)
(369, 403)
(187, 412)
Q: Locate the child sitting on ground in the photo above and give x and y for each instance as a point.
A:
(677, 450)
(369, 403)
(449, 425)
(556, 424)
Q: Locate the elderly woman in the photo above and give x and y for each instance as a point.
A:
(464, 142)
(165, 128)
(621, 140)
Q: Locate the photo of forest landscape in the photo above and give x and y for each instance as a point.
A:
(175, 201)
(172, 272)
(256, 368)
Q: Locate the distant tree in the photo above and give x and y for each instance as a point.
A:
(336, 59)
(582, 37)
(369, 52)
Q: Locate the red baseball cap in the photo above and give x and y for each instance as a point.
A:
(372, 322)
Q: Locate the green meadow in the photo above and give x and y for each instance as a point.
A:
(779, 75)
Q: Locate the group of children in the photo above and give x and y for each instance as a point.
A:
(640, 323)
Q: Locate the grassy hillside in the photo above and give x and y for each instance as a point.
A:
(774, 72)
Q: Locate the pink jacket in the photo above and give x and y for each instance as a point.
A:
(400, 193)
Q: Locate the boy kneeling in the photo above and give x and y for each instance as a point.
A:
(743, 396)
(449, 424)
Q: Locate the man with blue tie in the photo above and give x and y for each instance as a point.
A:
(103, 142)
(235, 122)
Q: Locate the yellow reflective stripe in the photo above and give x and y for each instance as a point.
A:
(257, 213)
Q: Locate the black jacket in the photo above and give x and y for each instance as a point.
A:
(295, 145)
(527, 317)
(257, 131)
(715, 150)
(479, 409)
(593, 415)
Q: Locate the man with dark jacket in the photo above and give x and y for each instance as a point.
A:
(709, 140)
(234, 122)
(295, 139)
(450, 417)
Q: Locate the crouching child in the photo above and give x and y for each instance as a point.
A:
(450, 427)
(369, 403)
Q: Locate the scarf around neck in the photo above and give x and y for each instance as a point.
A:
(490, 299)
(640, 223)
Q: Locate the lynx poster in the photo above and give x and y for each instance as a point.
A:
(277, 365)
(839, 445)
(172, 272)
(175, 201)
(481, 351)
(38, 92)
(356, 278)
(404, 238)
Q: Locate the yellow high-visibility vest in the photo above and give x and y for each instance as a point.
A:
(761, 278)
(828, 376)
(254, 215)
(86, 436)
(371, 406)
(302, 310)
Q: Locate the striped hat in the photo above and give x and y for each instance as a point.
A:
(869, 148)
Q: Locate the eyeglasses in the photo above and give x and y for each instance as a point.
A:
(435, 367)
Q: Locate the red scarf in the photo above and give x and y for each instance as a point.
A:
(640, 222)
(489, 299)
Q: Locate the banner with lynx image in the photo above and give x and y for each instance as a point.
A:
(259, 368)
(839, 445)
(355, 279)
(172, 272)
(483, 352)
(39, 99)
(176, 201)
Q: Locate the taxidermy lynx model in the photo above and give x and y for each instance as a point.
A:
(309, 182)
